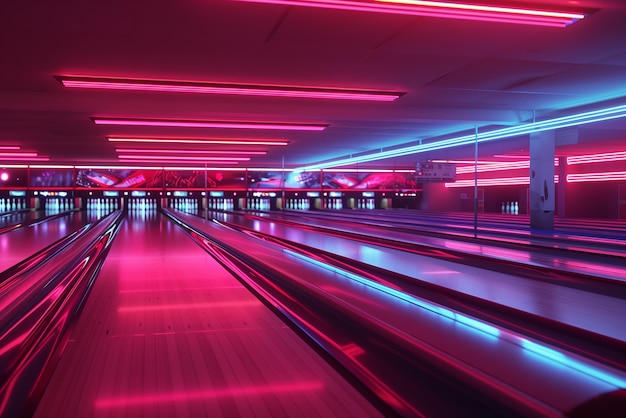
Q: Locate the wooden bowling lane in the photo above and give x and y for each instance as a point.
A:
(167, 332)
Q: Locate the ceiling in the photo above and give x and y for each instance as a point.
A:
(457, 75)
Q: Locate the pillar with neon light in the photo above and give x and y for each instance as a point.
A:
(542, 196)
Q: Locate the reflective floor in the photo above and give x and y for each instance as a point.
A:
(168, 332)
(23, 242)
(591, 311)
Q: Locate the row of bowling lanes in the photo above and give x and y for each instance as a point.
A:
(55, 204)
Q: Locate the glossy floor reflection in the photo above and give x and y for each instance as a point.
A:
(168, 332)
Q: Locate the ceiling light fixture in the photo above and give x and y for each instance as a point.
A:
(175, 151)
(517, 130)
(24, 158)
(270, 142)
(606, 176)
(18, 154)
(49, 166)
(505, 181)
(210, 124)
(441, 9)
(179, 158)
(226, 88)
(597, 158)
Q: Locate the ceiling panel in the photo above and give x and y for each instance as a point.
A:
(456, 74)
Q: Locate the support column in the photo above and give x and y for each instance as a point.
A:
(560, 206)
(542, 196)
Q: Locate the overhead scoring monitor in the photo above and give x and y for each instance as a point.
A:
(430, 171)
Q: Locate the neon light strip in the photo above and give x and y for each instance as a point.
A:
(560, 357)
(181, 158)
(175, 151)
(51, 166)
(493, 167)
(116, 167)
(136, 167)
(506, 181)
(226, 88)
(607, 176)
(597, 158)
(18, 154)
(175, 161)
(202, 141)
(208, 124)
(350, 170)
(9, 147)
(444, 10)
(25, 158)
(240, 169)
(523, 129)
(509, 10)
(462, 161)
(271, 169)
(498, 166)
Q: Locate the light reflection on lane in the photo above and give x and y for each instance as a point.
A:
(597, 313)
(21, 243)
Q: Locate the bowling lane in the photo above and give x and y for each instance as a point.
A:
(23, 242)
(605, 263)
(9, 219)
(594, 312)
(168, 332)
(582, 234)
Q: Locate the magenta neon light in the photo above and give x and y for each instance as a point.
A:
(175, 151)
(9, 147)
(597, 158)
(179, 158)
(505, 181)
(498, 166)
(25, 158)
(443, 10)
(18, 154)
(209, 124)
(225, 88)
(201, 141)
(606, 176)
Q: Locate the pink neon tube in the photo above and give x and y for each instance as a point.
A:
(174, 151)
(231, 89)
(208, 124)
(444, 10)
(200, 141)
